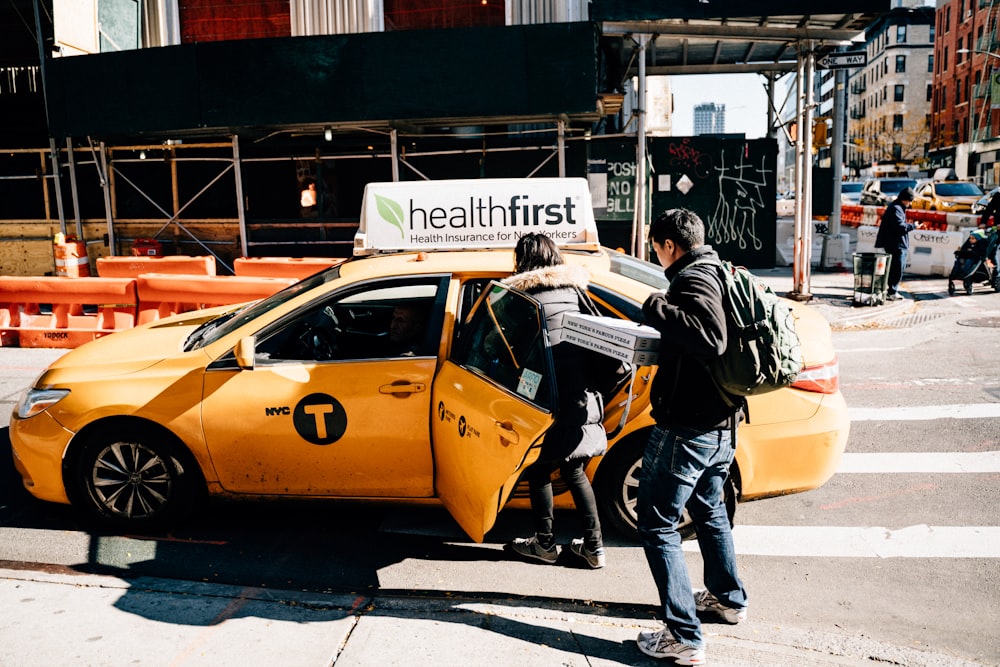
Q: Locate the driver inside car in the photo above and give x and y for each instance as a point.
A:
(406, 330)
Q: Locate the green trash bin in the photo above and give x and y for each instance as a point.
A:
(871, 278)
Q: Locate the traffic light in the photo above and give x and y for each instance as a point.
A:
(821, 133)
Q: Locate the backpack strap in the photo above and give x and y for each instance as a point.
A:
(737, 403)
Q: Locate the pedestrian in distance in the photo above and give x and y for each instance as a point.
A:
(689, 452)
(894, 238)
(992, 210)
(578, 433)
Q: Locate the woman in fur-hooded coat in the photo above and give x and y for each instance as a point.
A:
(578, 433)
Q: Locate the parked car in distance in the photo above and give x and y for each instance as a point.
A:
(785, 205)
(980, 204)
(947, 196)
(881, 191)
(850, 192)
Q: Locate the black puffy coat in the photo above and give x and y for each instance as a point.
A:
(578, 431)
(691, 320)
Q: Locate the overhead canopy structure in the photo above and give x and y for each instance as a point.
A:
(734, 36)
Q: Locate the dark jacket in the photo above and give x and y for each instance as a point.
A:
(692, 323)
(578, 431)
(894, 230)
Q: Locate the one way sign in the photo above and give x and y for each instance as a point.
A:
(843, 59)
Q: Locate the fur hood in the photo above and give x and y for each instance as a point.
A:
(550, 277)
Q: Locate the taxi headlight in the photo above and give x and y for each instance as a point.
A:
(36, 401)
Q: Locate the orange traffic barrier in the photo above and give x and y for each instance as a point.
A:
(163, 295)
(130, 267)
(851, 215)
(60, 313)
(71, 258)
(281, 267)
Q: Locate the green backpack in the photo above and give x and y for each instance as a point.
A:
(763, 353)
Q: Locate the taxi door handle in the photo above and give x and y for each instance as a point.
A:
(506, 432)
(402, 387)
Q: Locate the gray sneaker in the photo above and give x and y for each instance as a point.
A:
(705, 601)
(530, 548)
(595, 558)
(663, 645)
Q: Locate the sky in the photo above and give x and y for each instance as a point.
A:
(743, 94)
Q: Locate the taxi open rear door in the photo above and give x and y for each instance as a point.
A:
(493, 402)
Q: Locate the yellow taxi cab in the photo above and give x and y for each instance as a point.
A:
(313, 393)
(947, 196)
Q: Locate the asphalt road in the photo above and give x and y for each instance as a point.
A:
(901, 547)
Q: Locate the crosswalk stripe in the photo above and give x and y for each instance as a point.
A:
(920, 462)
(925, 412)
(921, 541)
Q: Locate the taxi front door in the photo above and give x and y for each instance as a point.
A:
(492, 403)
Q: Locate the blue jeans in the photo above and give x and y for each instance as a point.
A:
(896, 267)
(685, 468)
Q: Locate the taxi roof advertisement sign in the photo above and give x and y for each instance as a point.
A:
(478, 213)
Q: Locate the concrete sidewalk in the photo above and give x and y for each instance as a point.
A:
(832, 295)
(58, 616)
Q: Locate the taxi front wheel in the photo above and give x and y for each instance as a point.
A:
(617, 488)
(132, 480)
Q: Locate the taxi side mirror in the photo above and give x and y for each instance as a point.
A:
(244, 351)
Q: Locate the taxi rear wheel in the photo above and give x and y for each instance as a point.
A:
(617, 488)
(125, 479)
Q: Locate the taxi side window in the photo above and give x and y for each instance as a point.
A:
(504, 340)
(378, 321)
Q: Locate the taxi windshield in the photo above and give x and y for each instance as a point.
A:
(222, 325)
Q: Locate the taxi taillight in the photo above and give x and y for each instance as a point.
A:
(822, 379)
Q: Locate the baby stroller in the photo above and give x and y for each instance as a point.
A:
(975, 261)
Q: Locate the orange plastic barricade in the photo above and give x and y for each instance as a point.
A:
(60, 313)
(163, 295)
(71, 258)
(130, 267)
(281, 267)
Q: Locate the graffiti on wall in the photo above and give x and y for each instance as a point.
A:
(739, 207)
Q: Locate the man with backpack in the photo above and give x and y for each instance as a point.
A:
(687, 457)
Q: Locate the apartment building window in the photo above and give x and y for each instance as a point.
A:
(930, 92)
(944, 63)
(897, 152)
(900, 63)
(930, 62)
(931, 40)
(947, 19)
(897, 121)
(958, 92)
(901, 34)
(897, 94)
(958, 52)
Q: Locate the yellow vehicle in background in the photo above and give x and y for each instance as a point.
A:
(946, 196)
(306, 394)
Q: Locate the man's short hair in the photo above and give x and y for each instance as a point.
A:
(906, 194)
(681, 226)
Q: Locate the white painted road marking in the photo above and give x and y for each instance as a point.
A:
(920, 462)
(920, 541)
(925, 412)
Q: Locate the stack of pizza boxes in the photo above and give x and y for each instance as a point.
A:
(622, 339)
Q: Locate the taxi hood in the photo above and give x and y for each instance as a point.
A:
(126, 351)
